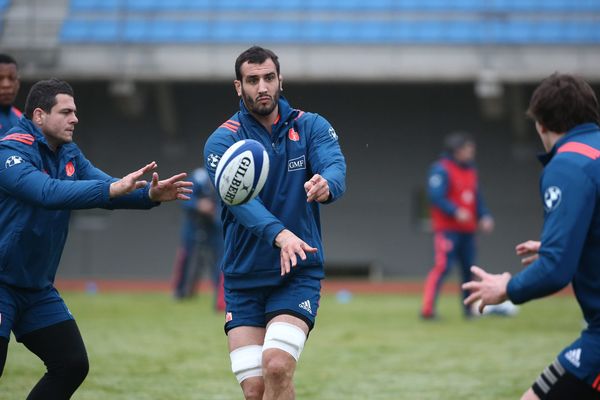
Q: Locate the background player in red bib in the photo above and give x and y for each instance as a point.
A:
(457, 210)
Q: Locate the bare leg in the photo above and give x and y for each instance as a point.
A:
(529, 395)
(252, 387)
(279, 366)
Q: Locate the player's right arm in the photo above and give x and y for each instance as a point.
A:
(291, 247)
(567, 193)
(528, 251)
(253, 215)
(21, 179)
(122, 193)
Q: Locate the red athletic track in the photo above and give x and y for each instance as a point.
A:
(329, 286)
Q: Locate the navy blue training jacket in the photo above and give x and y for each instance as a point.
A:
(301, 144)
(570, 250)
(38, 190)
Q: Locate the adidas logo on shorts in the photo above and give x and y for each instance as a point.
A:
(306, 306)
(573, 356)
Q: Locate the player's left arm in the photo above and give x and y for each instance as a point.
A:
(326, 162)
(482, 208)
(484, 216)
(137, 198)
(130, 192)
(567, 193)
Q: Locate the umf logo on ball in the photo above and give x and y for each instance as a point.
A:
(552, 198)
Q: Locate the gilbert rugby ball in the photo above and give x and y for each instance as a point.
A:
(242, 172)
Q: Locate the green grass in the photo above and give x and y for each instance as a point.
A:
(146, 346)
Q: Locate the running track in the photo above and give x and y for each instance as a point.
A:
(329, 286)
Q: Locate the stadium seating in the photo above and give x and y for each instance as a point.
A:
(274, 31)
(334, 21)
(337, 5)
(3, 7)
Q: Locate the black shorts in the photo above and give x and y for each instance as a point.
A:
(556, 383)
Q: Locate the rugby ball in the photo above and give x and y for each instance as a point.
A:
(242, 172)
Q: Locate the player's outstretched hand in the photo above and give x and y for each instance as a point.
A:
(291, 245)
(317, 188)
(528, 251)
(462, 215)
(173, 188)
(486, 224)
(130, 182)
(489, 288)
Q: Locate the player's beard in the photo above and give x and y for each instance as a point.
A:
(260, 109)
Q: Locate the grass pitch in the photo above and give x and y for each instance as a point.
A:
(147, 346)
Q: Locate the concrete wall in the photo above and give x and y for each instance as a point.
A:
(390, 133)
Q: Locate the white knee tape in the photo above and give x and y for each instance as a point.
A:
(286, 337)
(246, 362)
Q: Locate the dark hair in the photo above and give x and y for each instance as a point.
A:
(6, 59)
(43, 95)
(255, 55)
(456, 140)
(563, 101)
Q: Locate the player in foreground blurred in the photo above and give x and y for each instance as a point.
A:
(273, 261)
(9, 88)
(567, 118)
(202, 236)
(457, 210)
(43, 176)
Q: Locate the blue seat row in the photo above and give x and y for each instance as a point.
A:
(4, 5)
(517, 31)
(336, 5)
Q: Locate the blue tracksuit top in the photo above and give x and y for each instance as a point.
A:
(301, 144)
(38, 190)
(570, 250)
(438, 183)
(9, 117)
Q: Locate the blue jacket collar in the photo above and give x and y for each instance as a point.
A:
(567, 137)
(285, 111)
(27, 126)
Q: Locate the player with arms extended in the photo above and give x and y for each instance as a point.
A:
(567, 118)
(273, 259)
(43, 176)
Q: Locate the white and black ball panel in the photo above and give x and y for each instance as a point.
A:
(242, 172)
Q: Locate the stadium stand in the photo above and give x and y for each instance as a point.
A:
(3, 7)
(333, 21)
(518, 31)
(337, 5)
